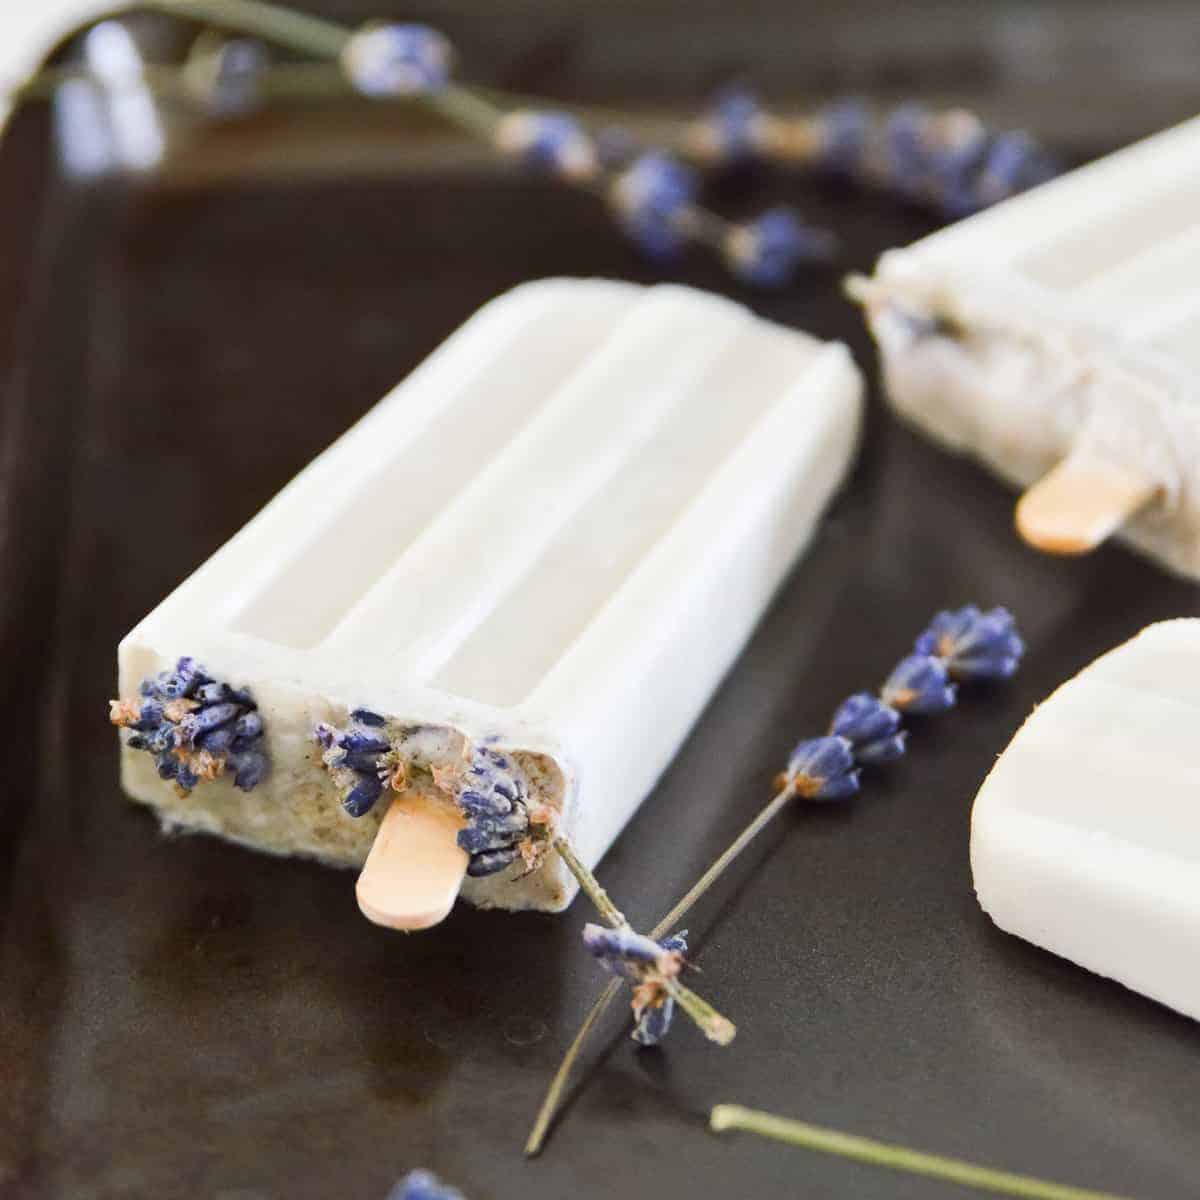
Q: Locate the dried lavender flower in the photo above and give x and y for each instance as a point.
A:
(919, 685)
(397, 59)
(843, 133)
(735, 129)
(647, 965)
(196, 727)
(823, 769)
(1014, 163)
(649, 198)
(767, 251)
(872, 727)
(488, 787)
(548, 140)
(974, 645)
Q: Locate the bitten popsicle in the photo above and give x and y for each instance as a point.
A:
(1056, 337)
(500, 600)
(1085, 837)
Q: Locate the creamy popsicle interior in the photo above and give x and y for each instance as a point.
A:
(552, 539)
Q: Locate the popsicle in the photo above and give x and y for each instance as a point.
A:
(1085, 837)
(509, 590)
(1056, 337)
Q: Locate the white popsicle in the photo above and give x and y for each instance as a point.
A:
(552, 539)
(1064, 325)
(1085, 837)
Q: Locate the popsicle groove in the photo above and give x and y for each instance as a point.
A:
(1126, 233)
(614, 532)
(363, 531)
(482, 545)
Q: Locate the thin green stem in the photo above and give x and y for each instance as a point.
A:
(898, 1158)
(723, 862)
(711, 1023)
(541, 1125)
(298, 31)
(608, 911)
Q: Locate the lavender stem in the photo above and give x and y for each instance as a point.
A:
(898, 1158)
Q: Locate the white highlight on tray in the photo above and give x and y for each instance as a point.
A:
(1085, 837)
(557, 533)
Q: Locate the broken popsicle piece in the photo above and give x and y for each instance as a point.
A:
(1062, 327)
(1085, 837)
(510, 590)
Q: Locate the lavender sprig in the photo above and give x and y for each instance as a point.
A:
(195, 726)
(865, 732)
(652, 196)
(948, 160)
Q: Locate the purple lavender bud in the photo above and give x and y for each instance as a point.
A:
(186, 778)
(161, 739)
(355, 741)
(184, 680)
(150, 716)
(548, 140)
(364, 716)
(326, 736)
(478, 804)
(919, 684)
(397, 60)
(423, 1185)
(1014, 162)
(203, 720)
(767, 251)
(248, 725)
(872, 726)
(732, 131)
(654, 1023)
(149, 688)
(649, 198)
(823, 769)
(490, 833)
(906, 139)
(675, 941)
(365, 762)
(361, 798)
(621, 951)
(845, 127)
(213, 693)
(491, 861)
(216, 741)
(168, 766)
(135, 741)
(973, 645)
(249, 769)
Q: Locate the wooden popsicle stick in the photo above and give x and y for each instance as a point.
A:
(1080, 503)
(415, 868)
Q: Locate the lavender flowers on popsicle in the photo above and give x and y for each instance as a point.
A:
(195, 726)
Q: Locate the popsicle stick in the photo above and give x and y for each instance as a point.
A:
(415, 868)
(1080, 503)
